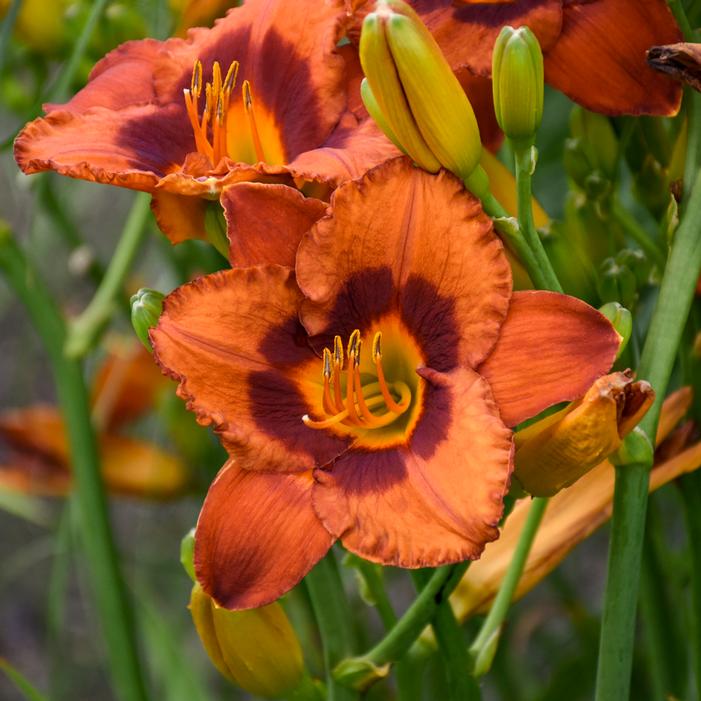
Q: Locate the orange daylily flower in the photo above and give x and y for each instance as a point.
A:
(125, 387)
(259, 97)
(593, 50)
(366, 396)
(571, 516)
(555, 452)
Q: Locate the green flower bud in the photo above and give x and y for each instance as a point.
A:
(146, 307)
(636, 450)
(596, 132)
(517, 83)
(421, 105)
(617, 283)
(257, 649)
(621, 320)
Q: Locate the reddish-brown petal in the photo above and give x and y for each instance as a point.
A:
(101, 146)
(438, 500)
(551, 349)
(439, 259)
(233, 341)
(179, 217)
(257, 536)
(266, 222)
(348, 153)
(599, 59)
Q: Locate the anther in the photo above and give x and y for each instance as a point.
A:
(250, 114)
(196, 83)
(377, 347)
(327, 363)
(338, 351)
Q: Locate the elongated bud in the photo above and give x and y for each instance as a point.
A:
(257, 649)
(517, 83)
(187, 553)
(621, 320)
(424, 109)
(146, 307)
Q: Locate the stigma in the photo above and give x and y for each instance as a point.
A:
(211, 129)
(361, 402)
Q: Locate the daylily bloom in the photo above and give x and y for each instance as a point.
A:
(555, 452)
(571, 516)
(125, 387)
(260, 96)
(593, 50)
(366, 396)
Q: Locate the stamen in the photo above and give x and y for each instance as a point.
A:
(248, 106)
(196, 82)
(355, 409)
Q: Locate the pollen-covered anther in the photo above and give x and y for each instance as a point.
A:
(211, 129)
(355, 409)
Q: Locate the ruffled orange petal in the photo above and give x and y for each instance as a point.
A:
(131, 148)
(266, 222)
(403, 237)
(257, 536)
(438, 500)
(233, 342)
(599, 59)
(551, 349)
(349, 152)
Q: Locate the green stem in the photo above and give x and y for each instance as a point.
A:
(631, 227)
(61, 89)
(87, 328)
(107, 584)
(332, 614)
(512, 234)
(524, 161)
(408, 628)
(631, 490)
(690, 488)
(497, 613)
(682, 20)
(453, 650)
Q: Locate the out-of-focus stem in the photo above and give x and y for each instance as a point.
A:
(101, 556)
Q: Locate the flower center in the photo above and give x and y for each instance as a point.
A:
(355, 399)
(222, 130)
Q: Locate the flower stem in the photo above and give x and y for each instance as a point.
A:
(631, 490)
(87, 328)
(691, 496)
(524, 162)
(332, 614)
(408, 628)
(108, 587)
(453, 650)
(497, 613)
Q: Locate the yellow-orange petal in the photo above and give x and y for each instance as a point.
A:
(571, 516)
(265, 222)
(551, 348)
(599, 58)
(136, 468)
(403, 237)
(233, 342)
(555, 452)
(257, 536)
(437, 500)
